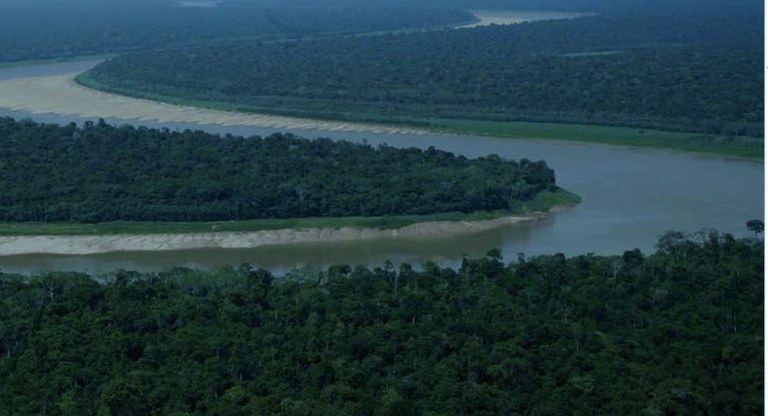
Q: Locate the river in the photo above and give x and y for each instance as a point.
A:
(631, 197)
(512, 17)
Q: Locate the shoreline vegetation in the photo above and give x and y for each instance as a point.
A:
(83, 239)
(544, 202)
(750, 148)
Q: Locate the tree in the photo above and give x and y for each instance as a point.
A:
(756, 226)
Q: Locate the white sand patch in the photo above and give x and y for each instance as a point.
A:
(83, 245)
(61, 95)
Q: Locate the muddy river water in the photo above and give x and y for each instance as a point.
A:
(630, 197)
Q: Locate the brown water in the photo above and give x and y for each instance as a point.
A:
(631, 196)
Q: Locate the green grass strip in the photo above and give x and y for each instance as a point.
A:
(737, 147)
(541, 203)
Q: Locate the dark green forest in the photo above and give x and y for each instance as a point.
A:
(62, 30)
(676, 332)
(699, 74)
(99, 173)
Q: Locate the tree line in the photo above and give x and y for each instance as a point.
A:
(675, 332)
(98, 173)
(686, 73)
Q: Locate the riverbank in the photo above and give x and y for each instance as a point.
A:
(61, 95)
(750, 148)
(83, 239)
(544, 202)
(98, 244)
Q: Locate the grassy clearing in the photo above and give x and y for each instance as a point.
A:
(542, 203)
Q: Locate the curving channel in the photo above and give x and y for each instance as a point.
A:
(630, 197)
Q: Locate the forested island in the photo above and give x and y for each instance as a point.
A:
(675, 332)
(100, 173)
(700, 74)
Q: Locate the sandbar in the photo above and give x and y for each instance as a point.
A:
(98, 244)
(61, 95)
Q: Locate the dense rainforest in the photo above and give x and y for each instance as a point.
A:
(99, 172)
(676, 332)
(688, 73)
(64, 30)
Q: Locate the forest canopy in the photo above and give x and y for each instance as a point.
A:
(699, 74)
(99, 173)
(64, 30)
(676, 332)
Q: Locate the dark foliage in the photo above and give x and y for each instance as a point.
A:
(699, 74)
(63, 30)
(103, 173)
(677, 332)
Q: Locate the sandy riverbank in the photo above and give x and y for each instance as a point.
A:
(61, 95)
(83, 245)
(502, 17)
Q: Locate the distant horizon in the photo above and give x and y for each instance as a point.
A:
(657, 6)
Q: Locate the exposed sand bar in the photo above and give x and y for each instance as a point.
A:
(83, 245)
(503, 17)
(61, 95)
